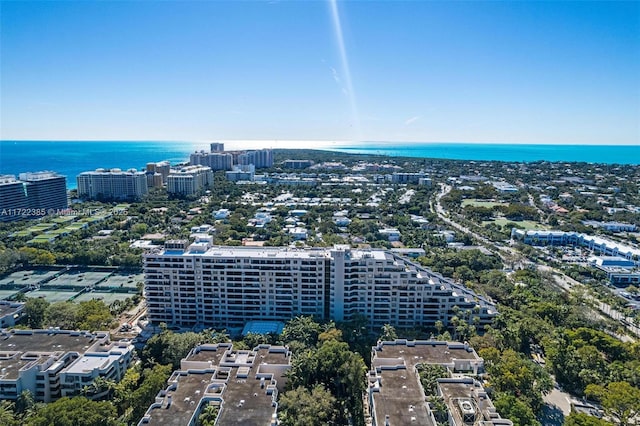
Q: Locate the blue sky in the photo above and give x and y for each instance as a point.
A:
(520, 72)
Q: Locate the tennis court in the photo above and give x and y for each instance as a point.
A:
(52, 296)
(122, 281)
(63, 219)
(7, 294)
(28, 277)
(77, 279)
(107, 298)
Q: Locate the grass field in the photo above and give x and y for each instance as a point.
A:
(478, 203)
(526, 224)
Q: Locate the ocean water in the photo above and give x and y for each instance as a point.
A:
(608, 154)
(72, 158)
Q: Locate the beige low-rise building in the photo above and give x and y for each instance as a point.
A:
(242, 384)
(397, 397)
(55, 363)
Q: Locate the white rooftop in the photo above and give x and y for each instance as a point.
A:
(92, 361)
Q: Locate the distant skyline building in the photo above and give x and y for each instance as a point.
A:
(13, 198)
(189, 180)
(219, 159)
(595, 243)
(403, 177)
(162, 167)
(297, 164)
(154, 180)
(201, 285)
(112, 184)
(262, 158)
(241, 173)
(217, 147)
(46, 190)
(31, 196)
(214, 160)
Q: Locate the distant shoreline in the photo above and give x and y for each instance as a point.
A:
(70, 158)
(316, 143)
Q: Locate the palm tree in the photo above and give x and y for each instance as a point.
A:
(25, 402)
(99, 385)
(208, 415)
(388, 333)
(7, 415)
(439, 326)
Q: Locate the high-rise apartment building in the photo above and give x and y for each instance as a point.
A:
(163, 168)
(214, 160)
(13, 198)
(33, 196)
(189, 180)
(45, 190)
(262, 158)
(112, 184)
(217, 147)
(154, 180)
(197, 284)
(297, 164)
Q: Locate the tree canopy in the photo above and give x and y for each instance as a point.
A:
(619, 400)
(304, 407)
(76, 411)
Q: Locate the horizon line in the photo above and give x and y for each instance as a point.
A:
(344, 143)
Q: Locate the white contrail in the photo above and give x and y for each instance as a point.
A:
(335, 15)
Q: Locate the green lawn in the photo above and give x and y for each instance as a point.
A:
(24, 233)
(57, 232)
(526, 224)
(41, 227)
(75, 227)
(42, 239)
(63, 219)
(478, 203)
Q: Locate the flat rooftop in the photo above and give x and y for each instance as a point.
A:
(271, 252)
(454, 392)
(90, 362)
(19, 348)
(426, 352)
(247, 398)
(245, 402)
(185, 399)
(45, 341)
(395, 386)
(9, 308)
(207, 353)
(249, 252)
(401, 398)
